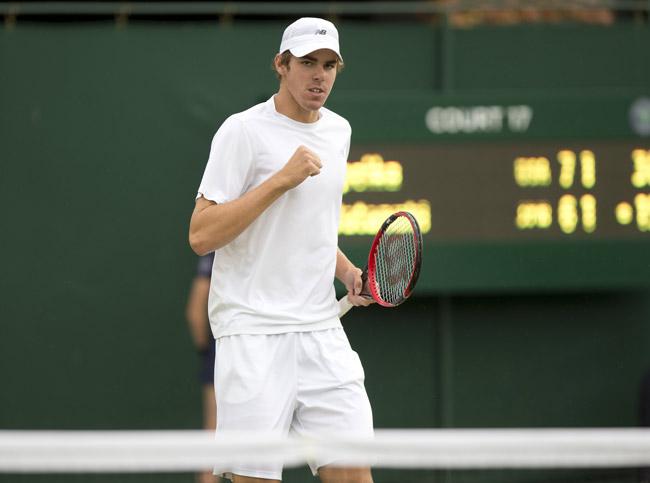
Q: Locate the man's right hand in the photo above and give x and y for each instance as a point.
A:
(215, 225)
(302, 164)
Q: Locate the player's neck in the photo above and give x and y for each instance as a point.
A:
(286, 105)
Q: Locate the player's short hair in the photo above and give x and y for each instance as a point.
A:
(285, 58)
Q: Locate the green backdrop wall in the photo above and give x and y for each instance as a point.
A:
(104, 133)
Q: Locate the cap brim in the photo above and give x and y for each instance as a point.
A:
(308, 48)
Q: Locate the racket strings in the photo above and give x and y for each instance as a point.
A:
(395, 261)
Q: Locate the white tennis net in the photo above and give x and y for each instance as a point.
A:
(189, 451)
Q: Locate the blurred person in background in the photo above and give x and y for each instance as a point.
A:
(269, 206)
(196, 313)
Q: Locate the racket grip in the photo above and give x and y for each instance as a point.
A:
(344, 306)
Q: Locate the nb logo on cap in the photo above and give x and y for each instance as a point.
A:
(320, 32)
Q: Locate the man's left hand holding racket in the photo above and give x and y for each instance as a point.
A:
(352, 277)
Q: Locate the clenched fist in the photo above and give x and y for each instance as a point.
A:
(302, 164)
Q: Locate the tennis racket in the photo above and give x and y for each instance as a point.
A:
(393, 263)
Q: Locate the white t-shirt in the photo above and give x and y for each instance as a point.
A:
(277, 276)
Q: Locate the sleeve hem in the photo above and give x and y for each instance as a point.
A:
(216, 199)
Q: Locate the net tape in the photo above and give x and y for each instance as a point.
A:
(180, 451)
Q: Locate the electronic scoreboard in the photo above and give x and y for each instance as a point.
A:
(491, 192)
(546, 193)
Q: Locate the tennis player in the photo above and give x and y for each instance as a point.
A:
(268, 205)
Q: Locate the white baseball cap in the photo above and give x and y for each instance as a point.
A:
(308, 34)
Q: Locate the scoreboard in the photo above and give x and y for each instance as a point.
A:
(502, 191)
(495, 216)
(549, 192)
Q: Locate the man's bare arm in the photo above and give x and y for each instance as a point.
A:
(215, 225)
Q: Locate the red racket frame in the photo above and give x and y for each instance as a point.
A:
(372, 267)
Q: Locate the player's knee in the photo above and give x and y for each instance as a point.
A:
(344, 475)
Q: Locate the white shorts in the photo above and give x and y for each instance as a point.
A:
(303, 383)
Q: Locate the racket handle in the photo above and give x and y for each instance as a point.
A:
(344, 306)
